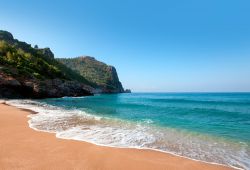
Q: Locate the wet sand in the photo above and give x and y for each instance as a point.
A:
(24, 148)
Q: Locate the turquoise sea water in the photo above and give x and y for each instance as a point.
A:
(212, 127)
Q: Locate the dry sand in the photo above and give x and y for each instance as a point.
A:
(24, 148)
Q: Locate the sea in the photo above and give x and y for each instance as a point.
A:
(209, 127)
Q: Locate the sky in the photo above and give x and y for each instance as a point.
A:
(155, 45)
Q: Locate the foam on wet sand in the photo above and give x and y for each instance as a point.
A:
(23, 147)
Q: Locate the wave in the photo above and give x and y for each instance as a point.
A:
(79, 125)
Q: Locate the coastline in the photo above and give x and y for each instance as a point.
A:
(23, 147)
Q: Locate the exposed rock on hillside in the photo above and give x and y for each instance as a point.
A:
(27, 72)
(102, 76)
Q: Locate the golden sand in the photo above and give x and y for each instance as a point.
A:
(24, 148)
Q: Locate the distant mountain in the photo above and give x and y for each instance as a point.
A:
(102, 77)
(34, 73)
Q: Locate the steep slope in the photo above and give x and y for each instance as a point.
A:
(103, 77)
(31, 72)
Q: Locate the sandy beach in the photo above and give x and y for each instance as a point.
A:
(24, 148)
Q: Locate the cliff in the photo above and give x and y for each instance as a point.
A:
(27, 72)
(102, 77)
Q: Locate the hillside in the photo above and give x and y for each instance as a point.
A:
(32, 72)
(101, 76)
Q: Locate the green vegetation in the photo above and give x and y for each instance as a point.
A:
(24, 62)
(19, 59)
(99, 74)
(27, 64)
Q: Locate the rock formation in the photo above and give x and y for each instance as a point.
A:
(27, 72)
(103, 77)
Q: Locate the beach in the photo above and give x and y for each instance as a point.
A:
(24, 148)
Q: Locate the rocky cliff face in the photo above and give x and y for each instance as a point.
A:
(33, 88)
(113, 85)
(104, 78)
(27, 72)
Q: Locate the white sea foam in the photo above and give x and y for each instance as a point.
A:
(79, 125)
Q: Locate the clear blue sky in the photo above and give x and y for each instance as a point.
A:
(156, 45)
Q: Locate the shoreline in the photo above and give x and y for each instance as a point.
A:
(136, 148)
(167, 160)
